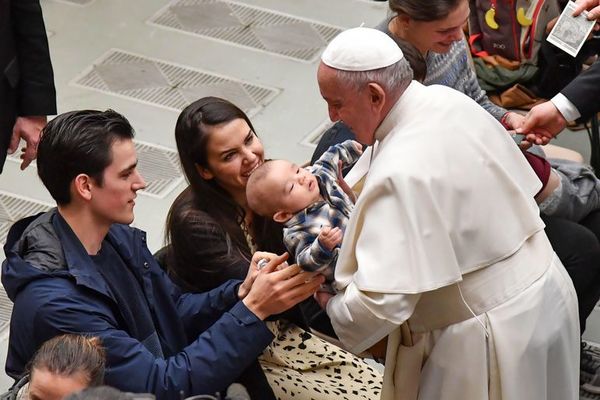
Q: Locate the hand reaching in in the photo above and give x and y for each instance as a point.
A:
(542, 123)
(28, 129)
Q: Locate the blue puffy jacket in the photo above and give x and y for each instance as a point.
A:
(207, 339)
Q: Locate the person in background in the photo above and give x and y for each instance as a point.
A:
(27, 93)
(62, 365)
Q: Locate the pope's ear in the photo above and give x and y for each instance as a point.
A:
(282, 216)
(376, 95)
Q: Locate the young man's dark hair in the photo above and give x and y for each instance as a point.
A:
(78, 142)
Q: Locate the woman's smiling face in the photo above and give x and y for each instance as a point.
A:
(233, 152)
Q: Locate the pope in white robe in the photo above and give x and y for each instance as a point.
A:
(445, 252)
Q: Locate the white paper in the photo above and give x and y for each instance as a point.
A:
(570, 32)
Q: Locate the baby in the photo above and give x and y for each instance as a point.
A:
(309, 202)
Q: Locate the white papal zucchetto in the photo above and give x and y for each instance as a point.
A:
(361, 49)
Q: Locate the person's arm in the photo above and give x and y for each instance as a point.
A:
(348, 152)
(362, 318)
(384, 275)
(470, 84)
(584, 91)
(309, 253)
(208, 364)
(36, 92)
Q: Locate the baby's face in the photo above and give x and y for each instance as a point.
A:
(295, 187)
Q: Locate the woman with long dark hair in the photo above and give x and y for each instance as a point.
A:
(212, 235)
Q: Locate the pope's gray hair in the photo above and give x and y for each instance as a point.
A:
(394, 79)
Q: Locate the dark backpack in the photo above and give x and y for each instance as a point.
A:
(513, 29)
(505, 37)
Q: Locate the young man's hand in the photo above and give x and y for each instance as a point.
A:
(330, 237)
(254, 269)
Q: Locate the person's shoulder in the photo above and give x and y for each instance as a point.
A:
(185, 208)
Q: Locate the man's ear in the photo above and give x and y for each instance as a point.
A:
(282, 216)
(204, 172)
(377, 96)
(82, 186)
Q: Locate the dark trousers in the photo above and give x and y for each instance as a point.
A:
(578, 248)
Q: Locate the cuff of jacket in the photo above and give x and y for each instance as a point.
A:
(244, 315)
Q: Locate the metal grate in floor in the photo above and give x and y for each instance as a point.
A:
(158, 165)
(6, 307)
(168, 85)
(590, 364)
(77, 2)
(160, 168)
(13, 208)
(248, 26)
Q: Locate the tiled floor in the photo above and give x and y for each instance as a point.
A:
(149, 58)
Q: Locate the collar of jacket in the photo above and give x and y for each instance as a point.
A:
(63, 253)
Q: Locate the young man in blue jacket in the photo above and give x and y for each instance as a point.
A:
(81, 269)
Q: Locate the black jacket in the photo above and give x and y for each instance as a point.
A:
(584, 91)
(26, 77)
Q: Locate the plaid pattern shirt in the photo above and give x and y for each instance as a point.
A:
(301, 231)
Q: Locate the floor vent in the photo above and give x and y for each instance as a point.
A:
(13, 208)
(160, 168)
(168, 85)
(248, 26)
(158, 165)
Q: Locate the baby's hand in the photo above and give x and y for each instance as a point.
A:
(330, 237)
(358, 146)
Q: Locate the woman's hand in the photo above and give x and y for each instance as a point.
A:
(254, 269)
(512, 120)
(273, 291)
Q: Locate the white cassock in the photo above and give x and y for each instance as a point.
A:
(446, 229)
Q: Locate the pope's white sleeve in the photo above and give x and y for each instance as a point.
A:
(361, 319)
